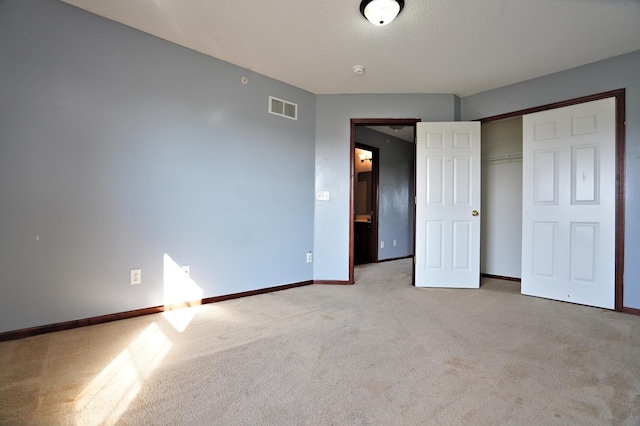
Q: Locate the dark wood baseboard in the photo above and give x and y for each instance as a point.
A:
(254, 292)
(332, 282)
(632, 311)
(395, 258)
(500, 277)
(67, 325)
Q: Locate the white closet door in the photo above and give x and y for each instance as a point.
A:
(568, 227)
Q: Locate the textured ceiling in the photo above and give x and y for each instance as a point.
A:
(433, 46)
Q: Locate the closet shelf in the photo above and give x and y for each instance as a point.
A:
(503, 157)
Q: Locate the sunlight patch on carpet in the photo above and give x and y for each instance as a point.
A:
(111, 392)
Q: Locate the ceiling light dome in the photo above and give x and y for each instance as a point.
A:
(381, 12)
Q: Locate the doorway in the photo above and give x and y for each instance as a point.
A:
(393, 241)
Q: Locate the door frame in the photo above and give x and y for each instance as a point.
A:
(366, 122)
(619, 95)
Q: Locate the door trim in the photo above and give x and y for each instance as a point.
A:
(365, 122)
(619, 95)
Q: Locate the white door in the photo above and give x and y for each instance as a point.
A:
(568, 200)
(447, 205)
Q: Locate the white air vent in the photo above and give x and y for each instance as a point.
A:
(283, 108)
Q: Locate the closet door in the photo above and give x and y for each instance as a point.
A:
(568, 227)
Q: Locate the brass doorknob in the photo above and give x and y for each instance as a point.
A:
(474, 213)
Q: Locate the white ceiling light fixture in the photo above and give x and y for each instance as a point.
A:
(366, 156)
(381, 12)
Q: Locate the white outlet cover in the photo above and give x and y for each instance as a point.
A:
(135, 276)
(186, 269)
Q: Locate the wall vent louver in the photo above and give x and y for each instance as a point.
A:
(283, 108)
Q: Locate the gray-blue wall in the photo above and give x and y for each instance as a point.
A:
(117, 147)
(615, 73)
(333, 115)
(395, 192)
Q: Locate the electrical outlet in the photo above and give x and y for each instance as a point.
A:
(135, 276)
(395, 243)
(381, 244)
(309, 257)
(186, 269)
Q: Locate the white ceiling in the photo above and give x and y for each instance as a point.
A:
(433, 46)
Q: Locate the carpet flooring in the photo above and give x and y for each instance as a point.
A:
(380, 352)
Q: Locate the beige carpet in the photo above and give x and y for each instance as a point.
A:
(379, 352)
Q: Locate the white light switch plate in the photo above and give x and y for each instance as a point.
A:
(323, 195)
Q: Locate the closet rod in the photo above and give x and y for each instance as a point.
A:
(501, 157)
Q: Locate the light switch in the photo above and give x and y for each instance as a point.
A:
(323, 195)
